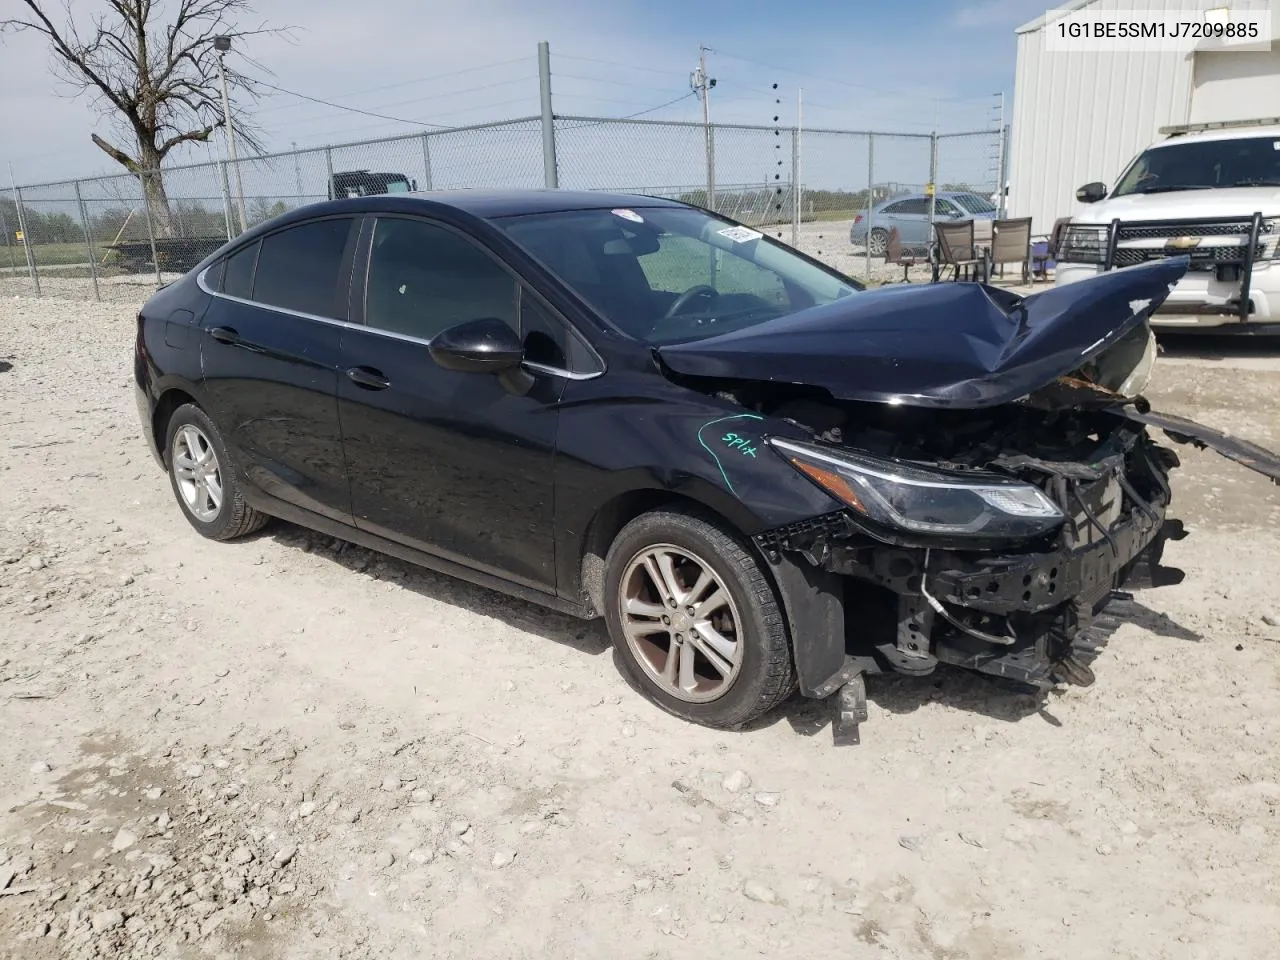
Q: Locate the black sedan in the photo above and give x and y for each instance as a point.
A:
(762, 476)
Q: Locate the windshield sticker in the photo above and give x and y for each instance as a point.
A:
(740, 234)
(628, 215)
(735, 441)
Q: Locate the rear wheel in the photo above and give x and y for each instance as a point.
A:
(879, 241)
(204, 478)
(695, 621)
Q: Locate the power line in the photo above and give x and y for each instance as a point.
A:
(434, 96)
(620, 83)
(846, 83)
(390, 120)
(339, 106)
(638, 113)
(592, 96)
(406, 83)
(624, 66)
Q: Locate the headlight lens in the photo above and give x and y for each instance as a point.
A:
(925, 501)
(1269, 241)
(1083, 243)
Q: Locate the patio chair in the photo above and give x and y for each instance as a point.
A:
(1045, 249)
(905, 257)
(956, 249)
(1011, 243)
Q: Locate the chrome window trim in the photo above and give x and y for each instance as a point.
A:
(345, 324)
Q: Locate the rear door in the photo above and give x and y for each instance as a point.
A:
(451, 463)
(270, 355)
(911, 217)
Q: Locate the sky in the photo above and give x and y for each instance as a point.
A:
(857, 64)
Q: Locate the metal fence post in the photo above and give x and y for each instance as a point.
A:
(8, 240)
(328, 172)
(933, 180)
(871, 197)
(550, 172)
(795, 186)
(1002, 200)
(88, 242)
(226, 197)
(26, 241)
(151, 227)
(426, 161)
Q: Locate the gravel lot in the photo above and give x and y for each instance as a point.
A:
(289, 747)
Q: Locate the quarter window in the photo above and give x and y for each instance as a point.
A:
(425, 278)
(238, 279)
(300, 267)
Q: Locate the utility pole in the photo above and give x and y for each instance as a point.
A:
(222, 45)
(550, 168)
(702, 85)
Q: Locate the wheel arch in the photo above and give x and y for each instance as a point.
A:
(616, 513)
(166, 405)
(811, 598)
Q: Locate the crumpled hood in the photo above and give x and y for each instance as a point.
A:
(944, 345)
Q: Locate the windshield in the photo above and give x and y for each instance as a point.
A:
(665, 275)
(1204, 165)
(397, 186)
(974, 203)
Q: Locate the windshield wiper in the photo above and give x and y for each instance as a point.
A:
(1258, 182)
(1169, 187)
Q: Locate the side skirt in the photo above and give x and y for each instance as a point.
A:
(305, 518)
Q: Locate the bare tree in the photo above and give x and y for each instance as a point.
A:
(154, 75)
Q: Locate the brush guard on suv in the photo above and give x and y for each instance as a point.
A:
(1202, 258)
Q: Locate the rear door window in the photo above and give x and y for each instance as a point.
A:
(300, 268)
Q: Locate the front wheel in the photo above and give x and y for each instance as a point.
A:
(695, 621)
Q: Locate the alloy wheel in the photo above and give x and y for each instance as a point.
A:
(196, 469)
(681, 623)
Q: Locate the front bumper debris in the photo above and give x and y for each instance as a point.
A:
(1028, 614)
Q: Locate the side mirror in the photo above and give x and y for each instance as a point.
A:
(478, 346)
(1091, 192)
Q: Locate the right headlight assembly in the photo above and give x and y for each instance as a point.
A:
(933, 503)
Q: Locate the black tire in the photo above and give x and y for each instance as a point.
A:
(879, 241)
(233, 518)
(766, 675)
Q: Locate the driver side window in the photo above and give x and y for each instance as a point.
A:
(425, 278)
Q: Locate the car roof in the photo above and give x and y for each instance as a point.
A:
(491, 204)
(1229, 133)
(925, 196)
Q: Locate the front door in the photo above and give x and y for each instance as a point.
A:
(270, 356)
(451, 463)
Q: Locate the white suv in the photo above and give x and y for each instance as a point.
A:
(1212, 195)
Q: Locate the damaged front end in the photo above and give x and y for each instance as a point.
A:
(1011, 589)
(997, 480)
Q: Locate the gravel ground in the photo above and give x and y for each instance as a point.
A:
(289, 747)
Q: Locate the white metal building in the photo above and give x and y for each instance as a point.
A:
(1080, 116)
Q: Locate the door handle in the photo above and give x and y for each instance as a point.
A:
(231, 338)
(368, 378)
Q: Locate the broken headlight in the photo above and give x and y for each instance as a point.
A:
(924, 501)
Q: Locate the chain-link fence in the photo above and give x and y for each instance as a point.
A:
(834, 194)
